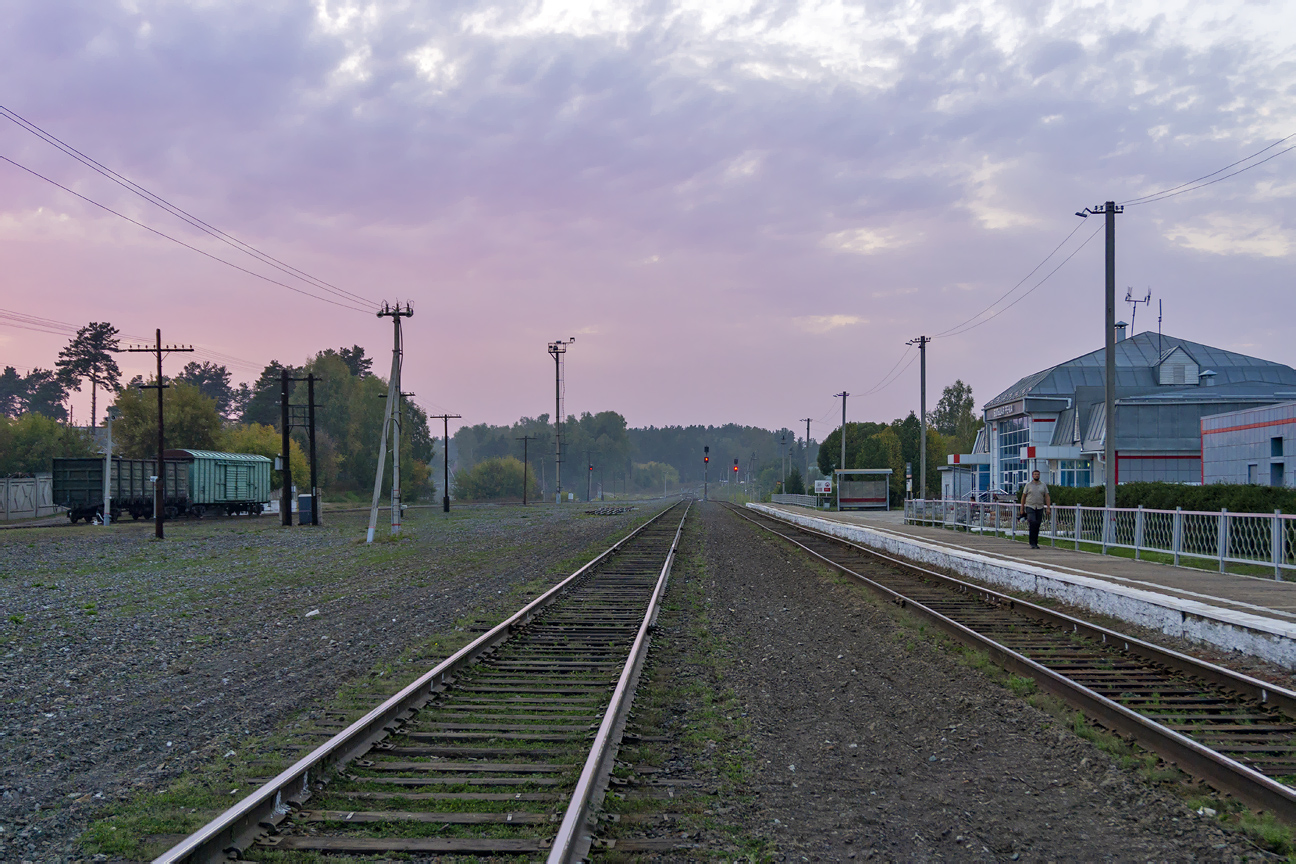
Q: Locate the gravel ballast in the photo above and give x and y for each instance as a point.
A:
(127, 660)
(872, 743)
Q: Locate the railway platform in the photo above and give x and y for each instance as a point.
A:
(1247, 614)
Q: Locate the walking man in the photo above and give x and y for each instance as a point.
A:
(1035, 503)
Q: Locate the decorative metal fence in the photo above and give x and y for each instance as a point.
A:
(799, 500)
(1178, 536)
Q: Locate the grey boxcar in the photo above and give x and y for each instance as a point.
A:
(79, 486)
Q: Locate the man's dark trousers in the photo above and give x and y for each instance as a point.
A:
(1034, 516)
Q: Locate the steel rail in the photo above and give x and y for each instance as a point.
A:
(573, 840)
(238, 827)
(1226, 774)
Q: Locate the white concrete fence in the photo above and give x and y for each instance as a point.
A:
(27, 497)
(1191, 537)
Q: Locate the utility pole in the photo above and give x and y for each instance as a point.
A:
(109, 416)
(807, 453)
(1110, 209)
(842, 395)
(445, 462)
(783, 454)
(558, 350)
(391, 424)
(159, 485)
(525, 462)
(285, 426)
(921, 342)
(310, 426)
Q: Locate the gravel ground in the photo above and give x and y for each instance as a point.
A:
(127, 660)
(874, 744)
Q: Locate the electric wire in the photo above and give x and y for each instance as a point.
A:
(1022, 281)
(344, 305)
(177, 211)
(38, 324)
(1182, 188)
(1060, 265)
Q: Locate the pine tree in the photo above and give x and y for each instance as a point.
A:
(88, 356)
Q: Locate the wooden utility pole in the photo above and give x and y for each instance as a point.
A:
(445, 460)
(525, 463)
(159, 485)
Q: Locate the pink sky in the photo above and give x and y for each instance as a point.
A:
(738, 209)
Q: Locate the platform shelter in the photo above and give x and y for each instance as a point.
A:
(864, 489)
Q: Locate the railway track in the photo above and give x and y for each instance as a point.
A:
(504, 749)
(1230, 730)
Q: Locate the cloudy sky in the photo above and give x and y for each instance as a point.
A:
(737, 208)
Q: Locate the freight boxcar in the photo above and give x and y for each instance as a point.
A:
(79, 486)
(228, 483)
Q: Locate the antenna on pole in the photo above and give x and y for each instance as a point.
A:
(391, 424)
(1134, 304)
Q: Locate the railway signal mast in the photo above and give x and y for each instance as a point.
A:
(558, 350)
(391, 425)
(706, 466)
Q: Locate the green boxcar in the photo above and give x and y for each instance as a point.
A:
(79, 486)
(225, 482)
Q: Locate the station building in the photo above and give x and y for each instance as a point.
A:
(1257, 445)
(1055, 421)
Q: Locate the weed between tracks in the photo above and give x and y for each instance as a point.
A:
(151, 821)
(709, 755)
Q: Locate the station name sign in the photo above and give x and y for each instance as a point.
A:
(1018, 407)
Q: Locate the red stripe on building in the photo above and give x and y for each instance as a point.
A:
(1206, 431)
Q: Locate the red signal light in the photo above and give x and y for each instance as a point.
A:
(706, 458)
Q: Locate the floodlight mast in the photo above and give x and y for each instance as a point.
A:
(558, 350)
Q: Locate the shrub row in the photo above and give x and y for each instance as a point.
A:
(1236, 498)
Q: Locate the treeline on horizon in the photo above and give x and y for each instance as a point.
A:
(203, 410)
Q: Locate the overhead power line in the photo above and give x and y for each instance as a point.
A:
(23, 321)
(180, 213)
(966, 327)
(345, 305)
(1194, 185)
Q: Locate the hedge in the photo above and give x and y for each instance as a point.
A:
(1236, 498)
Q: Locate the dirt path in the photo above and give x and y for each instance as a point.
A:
(876, 745)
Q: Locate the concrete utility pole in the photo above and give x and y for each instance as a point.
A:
(842, 465)
(806, 420)
(525, 463)
(310, 427)
(783, 460)
(109, 416)
(558, 350)
(391, 425)
(159, 484)
(1110, 209)
(445, 461)
(921, 342)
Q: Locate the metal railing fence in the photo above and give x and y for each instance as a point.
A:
(1175, 536)
(799, 500)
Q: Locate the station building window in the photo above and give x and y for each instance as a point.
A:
(1014, 434)
(1077, 472)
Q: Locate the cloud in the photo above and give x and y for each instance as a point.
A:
(520, 162)
(1232, 235)
(866, 241)
(826, 323)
